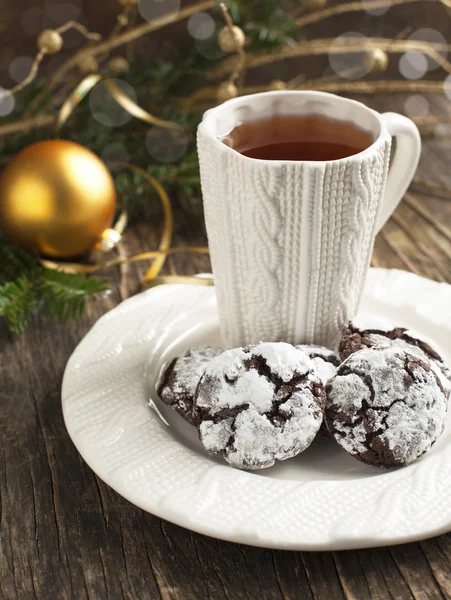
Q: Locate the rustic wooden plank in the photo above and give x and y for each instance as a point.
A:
(352, 576)
(407, 251)
(437, 270)
(437, 552)
(435, 247)
(383, 573)
(292, 576)
(416, 571)
(384, 256)
(322, 575)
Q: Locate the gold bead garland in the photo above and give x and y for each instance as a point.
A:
(234, 65)
(226, 90)
(118, 65)
(277, 84)
(231, 39)
(88, 64)
(50, 41)
(375, 60)
(122, 20)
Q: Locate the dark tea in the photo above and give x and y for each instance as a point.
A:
(298, 137)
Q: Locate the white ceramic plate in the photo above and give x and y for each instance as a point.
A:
(321, 500)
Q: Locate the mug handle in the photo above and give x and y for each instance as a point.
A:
(403, 165)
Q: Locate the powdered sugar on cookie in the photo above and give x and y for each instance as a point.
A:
(259, 404)
(326, 361)
(385, 406)
(179, 377)
(374, 331)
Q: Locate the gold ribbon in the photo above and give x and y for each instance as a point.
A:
(88, 83)
(86, 269)
(168, 223)
(151, 278)
(111, 237)
(182, 279)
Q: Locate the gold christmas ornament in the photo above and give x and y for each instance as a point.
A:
(50, 41)
(127, 3)
(226, 90)
(56, 199)
(88, 64)
(375, 60)
(231, 39)
(118, 65)
(277, 84)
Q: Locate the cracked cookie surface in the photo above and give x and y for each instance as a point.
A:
(326, 364)
(368, 332)
(326, 361)
(385, 406)
(259, 404)
(179, 378)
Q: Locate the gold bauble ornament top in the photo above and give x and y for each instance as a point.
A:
(127, 3)
(231, 39)
(50, 41)
(226, 90)
(375, 60)
(56, 199)
(118, 65)
(87, 64)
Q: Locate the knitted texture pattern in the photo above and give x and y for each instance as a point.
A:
(290, 242)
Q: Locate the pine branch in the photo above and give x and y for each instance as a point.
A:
(64, 296)
(14, 260)
(27, 285)
(17, 300)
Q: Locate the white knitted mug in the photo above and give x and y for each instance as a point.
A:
(291, 241)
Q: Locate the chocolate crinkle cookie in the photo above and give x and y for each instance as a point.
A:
(326, 364)
(326, 361)
(368, 332)
(385, 406)
(259, 404)
(179, 378)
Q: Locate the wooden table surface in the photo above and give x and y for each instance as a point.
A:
(66, 534)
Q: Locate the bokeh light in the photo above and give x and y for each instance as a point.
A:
(201, 26)
(104, 107)
(430, 36)
(413, 65)
(376, 12)
(416, 105)
(166, 145)
(447, 86)
(20, 68)
(7, 102)
(348, 66)
(209, 48)
(151, 9)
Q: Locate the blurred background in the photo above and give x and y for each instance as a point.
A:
(22, 20)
